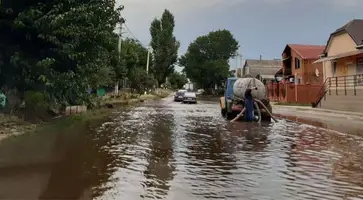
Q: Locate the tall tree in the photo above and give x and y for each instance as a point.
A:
(206, 60)
(177, 80)
(56, 46)
(134, 58)
(165, 46)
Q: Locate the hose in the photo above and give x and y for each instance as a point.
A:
(259, 112)
(263, 105)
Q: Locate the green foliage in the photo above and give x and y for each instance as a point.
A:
(177, 80)
(133, 55)
(206, 60)
(140, 80)
(35, 101)
(59, 48)
(165, 46)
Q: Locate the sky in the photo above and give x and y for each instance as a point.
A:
(262, 27)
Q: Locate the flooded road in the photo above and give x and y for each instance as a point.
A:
(167, 150)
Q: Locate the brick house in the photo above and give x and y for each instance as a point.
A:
(298, 60)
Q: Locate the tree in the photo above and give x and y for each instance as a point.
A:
(177, 80)
(60, 48)
(134, 59)
(206, 60)
(140, 80)
(133, 55)
(165, 46)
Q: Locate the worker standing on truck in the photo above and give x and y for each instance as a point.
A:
(248, 106)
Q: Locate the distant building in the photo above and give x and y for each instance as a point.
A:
(263, 70)
(189, 85)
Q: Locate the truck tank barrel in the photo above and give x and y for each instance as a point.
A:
(241, 85)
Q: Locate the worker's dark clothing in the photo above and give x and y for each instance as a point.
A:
(249, 105)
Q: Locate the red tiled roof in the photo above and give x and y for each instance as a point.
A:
(307, 51)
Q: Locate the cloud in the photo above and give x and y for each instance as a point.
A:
(140, 13)
(346, 3)
(147, 10)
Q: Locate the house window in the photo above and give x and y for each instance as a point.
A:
(297, 63)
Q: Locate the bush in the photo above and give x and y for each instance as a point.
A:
(220, 92)
(35, 101)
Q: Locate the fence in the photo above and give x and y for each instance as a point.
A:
(291, 93)
(340, 85)
(71, 110)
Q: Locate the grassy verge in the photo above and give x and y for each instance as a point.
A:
(11, 125)
(291, 104)
(128, 98)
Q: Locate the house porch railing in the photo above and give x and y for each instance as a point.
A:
(340, 85)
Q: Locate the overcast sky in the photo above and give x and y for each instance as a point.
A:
(262, 27)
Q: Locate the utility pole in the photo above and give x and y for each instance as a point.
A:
(240, 56)
(147, 62)
(122, 21)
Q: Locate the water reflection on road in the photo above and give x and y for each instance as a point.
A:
(167, 150)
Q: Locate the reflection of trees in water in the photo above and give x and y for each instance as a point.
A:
(160, 168)
(210, 146)
(89, 162)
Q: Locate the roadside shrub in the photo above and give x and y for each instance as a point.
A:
(35, 101)
(220, 92)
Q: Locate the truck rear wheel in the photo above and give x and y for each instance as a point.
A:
(223, 112)
(230, 115)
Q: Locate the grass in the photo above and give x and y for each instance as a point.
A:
(291, 104)
(128, 98)
(12, 125)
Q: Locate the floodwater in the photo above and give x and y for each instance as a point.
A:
(168, 150)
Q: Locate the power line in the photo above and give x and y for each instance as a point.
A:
(130, 32)
(133, 36)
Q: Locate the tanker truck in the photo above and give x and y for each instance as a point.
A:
(232, 102)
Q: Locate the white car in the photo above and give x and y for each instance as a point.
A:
(190, 97)
(179, 95)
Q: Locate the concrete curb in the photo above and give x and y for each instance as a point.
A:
(303, 108)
